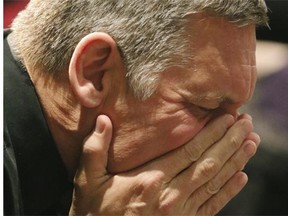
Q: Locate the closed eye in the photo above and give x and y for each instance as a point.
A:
(200, 111)
(205, 109)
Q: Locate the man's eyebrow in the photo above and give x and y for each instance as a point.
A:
(215, 97)
(220, 99)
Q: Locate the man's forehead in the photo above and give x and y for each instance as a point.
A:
(212, 23)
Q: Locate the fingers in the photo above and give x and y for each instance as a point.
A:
(233, 165)
(184, 156)
(213, 160)
(219, 200)
(92, 169)
(254, 137)
(244, 116)
(206, 138)
(95, 149)
(206, 166)
(231, 142)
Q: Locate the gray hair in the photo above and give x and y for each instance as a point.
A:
(151, 35)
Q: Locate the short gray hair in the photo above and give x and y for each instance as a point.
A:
(151, 35)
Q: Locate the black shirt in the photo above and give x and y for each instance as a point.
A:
(35, 179)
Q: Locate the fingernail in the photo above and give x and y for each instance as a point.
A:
(99, 125)
(250, 148)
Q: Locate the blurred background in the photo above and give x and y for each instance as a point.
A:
(267, 190)
(10, 10)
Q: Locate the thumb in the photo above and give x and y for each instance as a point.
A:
(95, 149)
(91, 172)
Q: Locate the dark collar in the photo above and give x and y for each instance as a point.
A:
(43, 177)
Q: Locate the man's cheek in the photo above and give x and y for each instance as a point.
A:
(185, 132)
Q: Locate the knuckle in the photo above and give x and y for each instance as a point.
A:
(150, 182)
(166, 207)
(235, 141)
(170, 201)
(209, 167)
(212, 187)
(192, 152)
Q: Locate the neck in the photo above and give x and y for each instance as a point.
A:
(64, 117)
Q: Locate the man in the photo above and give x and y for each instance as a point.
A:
(169, 78)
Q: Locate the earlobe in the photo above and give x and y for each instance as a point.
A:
(91, 61)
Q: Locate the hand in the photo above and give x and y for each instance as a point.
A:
(198, 178)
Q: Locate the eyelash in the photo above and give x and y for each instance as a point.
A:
(199, 109)
(207, 109)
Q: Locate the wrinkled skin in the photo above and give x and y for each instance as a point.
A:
(182, 151)
(198, 178)
(220, 79)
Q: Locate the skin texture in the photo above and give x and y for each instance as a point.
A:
(175, 153)
(220, 79)
(204, 177)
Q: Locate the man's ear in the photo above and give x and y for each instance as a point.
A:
(92, 59)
